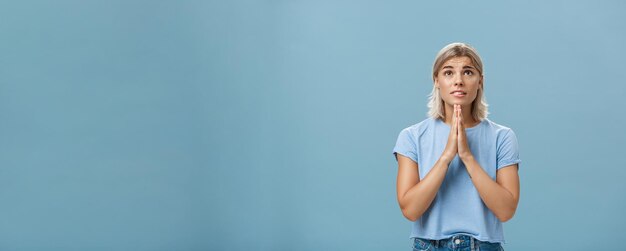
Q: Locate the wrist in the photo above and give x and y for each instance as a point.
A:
(466, 157)
(446, 158)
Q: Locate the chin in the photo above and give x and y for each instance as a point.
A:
(458, 102)
(462, 102)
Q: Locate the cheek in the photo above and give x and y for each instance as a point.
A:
(475, 95)
(473, 84)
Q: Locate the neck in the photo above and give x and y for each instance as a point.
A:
(468, 119)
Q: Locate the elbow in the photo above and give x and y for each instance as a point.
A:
(410, 215)
(506, 212)
(506, 216)
(411, 211)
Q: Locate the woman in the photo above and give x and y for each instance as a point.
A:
(457, 170)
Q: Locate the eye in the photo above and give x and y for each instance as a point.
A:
(468, 72)
(447, 73)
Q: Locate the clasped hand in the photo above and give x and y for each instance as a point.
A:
(457, 140)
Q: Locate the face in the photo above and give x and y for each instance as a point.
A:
(458, 81)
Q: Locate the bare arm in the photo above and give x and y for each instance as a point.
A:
(500, 196)
(415, 196)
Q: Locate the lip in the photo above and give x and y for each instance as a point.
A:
(458, 93)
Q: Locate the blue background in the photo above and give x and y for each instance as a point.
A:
(269, 125)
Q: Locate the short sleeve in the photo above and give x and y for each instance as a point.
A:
(508, 150)
(405, 145)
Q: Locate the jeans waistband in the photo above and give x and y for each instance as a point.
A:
(455, 242)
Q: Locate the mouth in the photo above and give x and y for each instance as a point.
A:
(459, 94)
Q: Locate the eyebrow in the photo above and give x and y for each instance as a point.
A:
(464, 67)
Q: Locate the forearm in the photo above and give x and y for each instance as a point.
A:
(497, 198)
(418, 198)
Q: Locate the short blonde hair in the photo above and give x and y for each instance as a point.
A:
(435, 102)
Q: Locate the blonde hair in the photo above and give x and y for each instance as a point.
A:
(435, 102)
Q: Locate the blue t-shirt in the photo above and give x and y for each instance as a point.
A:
(458, 208)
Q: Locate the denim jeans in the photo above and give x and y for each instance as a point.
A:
(455, 243)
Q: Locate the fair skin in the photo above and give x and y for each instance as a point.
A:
(458, 82)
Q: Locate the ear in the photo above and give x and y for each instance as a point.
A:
(436, 82)
(482, 78)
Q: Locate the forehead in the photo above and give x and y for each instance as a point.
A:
(458, 62)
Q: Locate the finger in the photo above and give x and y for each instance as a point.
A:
(460, 116)
(459, 123)
(457, 114)
(454, 114)
(462, 125)
(453, 124)
(456, 118)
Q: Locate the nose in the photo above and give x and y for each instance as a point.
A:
(458, 81)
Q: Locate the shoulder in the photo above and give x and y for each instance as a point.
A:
(418, 129)
(497, 128)
(501, 132)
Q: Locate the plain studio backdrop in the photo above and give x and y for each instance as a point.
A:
(269, 125)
